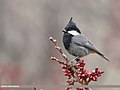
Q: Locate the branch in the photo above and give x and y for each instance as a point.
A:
(58, 48)
(76, 73)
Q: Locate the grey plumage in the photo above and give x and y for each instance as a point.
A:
(83, 45)
(76, 43)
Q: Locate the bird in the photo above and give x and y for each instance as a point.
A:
(76, 43)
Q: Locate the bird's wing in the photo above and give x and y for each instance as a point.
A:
(81, 40)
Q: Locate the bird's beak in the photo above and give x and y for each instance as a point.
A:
(63, 30)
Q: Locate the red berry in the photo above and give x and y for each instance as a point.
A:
(102, 71)
(64, 66)
(78, 64)
(68, 88)
(96, 69)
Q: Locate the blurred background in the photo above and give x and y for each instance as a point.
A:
(25, 49)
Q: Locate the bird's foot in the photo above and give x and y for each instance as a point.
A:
(77, 59)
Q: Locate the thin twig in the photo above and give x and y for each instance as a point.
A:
(76, 72)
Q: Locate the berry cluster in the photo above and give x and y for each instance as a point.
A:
(82, 74)
(78, 73)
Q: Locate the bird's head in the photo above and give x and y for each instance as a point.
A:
(71, 28)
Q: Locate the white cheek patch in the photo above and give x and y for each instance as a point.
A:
(73, 32)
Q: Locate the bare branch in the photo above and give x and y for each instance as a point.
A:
(77, 73)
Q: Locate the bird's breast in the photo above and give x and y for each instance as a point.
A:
(67, 40)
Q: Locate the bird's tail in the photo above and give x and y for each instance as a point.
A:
(103, 56)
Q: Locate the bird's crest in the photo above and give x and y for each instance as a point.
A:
(71, 19)
(72, 26)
